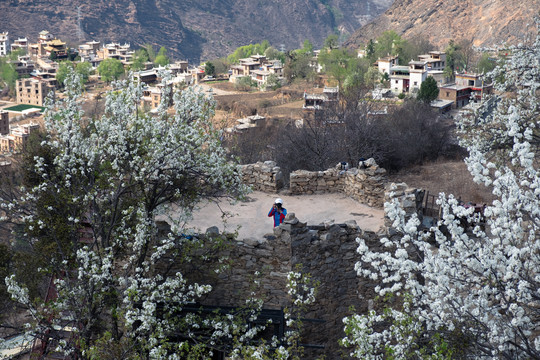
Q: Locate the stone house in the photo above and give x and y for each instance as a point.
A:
(179, 67)
(32, 91)
(44, 37)
(17, 137)
(89, 48)
(400, 79)
(314, 102)
(152, 96)
(20, 43)
(386, 64)
(4, 43)
(23, 65)
(258, 68)
(118, 52)
(246, 66)
(46, 71)
(458, 94)
(266, 69)
(435, 60)
(417, 74)
(404, 79)
(467, 87)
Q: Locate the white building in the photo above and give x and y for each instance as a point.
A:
(386, 64)
(4, 43)
(418, 74)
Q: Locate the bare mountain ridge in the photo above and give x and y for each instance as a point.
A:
(484, 22)
(190, 29)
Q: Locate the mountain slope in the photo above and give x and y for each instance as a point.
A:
(190, 29)
(484, 22)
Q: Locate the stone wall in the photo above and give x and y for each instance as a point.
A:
(366, 185)
(270, 257)
(266, 177)
(327, 252)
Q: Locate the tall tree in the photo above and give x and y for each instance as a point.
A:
(84, 69)
(331, 42)
(64, 68)
(429, 90)
(92, 195)
(110, 69)
(461, 290)
(209, 69)
(161, 58)
(140, 58)
(387, 44)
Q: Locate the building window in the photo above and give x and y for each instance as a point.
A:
(396, 81)
(447, 94)
(416, 83)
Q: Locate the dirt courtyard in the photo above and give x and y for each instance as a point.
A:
(251, 216)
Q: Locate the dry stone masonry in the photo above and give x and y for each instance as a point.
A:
(366, 185)
(326, 251)
(262, 176)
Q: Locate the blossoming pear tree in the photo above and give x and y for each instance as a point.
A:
(92, 194)
(468, 292)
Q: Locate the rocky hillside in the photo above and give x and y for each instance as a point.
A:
(484, 22)
(192, 29)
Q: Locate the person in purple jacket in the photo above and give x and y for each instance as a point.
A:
(278, 212)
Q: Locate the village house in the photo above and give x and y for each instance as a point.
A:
(313, 102)
(197, 74)
(33, 91)
(152, 95)
(20, 43)
(417, 74)
(17, 137)
(467, 87)
(386, 64)
(88, 52)
(258, 68)
(89, 48)
(404, 79)
(4, 43)
(245, 67)
(118, 52)
(179, 70)
(436, 60)
(268, 68)
(179, 67)
(23, 65)
(46, 71)
(314, 62)
(399, 79)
